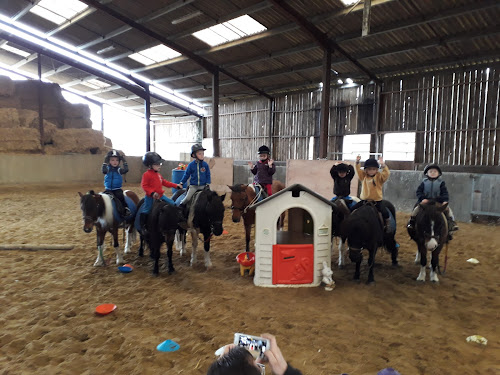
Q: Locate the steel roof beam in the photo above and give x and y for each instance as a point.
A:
(185, 51)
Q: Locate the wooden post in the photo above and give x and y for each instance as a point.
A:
(147, 115)
(366, 18)
(325, 104)
(40, 102)
(215, 113)
(272, 105)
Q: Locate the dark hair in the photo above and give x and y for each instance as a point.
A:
(238, 361)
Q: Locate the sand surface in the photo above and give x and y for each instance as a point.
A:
(47, 302)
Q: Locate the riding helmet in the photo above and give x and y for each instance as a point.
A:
(371, 163)
(264, 150)
(196, 147)
(151, 158)
(432, 166)
(112, 153)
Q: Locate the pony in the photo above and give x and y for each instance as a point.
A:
(430, 234)
(206, 213)
(340, 212)
(241, 197)
(364, 229)
(162, 224)
(99, 210)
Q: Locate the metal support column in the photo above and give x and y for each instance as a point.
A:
(325, 104)
(272, 106)
(147, 115)
(40, 102)
(215, 113)
(102, 117)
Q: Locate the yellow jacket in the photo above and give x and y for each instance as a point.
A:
(371, 187)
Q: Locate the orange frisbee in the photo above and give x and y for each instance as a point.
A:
(105, 308)
(225, 232)
(128, 265)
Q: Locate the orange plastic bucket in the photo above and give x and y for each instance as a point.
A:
(246, 259)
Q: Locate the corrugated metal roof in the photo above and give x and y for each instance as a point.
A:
(405, 35)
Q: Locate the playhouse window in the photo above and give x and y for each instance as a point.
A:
(298, 228)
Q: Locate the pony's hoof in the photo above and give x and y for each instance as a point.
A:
(420, 281)
(171, 271)
(99, 264)
(341, 266)
(396, 265)
(370, 282)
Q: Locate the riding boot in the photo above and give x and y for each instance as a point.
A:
(127, 212)
(411, 223)
(143, 220)
(388, 228)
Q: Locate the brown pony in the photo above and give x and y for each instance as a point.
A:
(98, 211)
(241, 197)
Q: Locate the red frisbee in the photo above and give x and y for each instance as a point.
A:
(105, 308)
(225, 232)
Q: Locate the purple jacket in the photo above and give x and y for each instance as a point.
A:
(263, 173)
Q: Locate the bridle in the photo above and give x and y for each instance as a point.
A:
(245, 204)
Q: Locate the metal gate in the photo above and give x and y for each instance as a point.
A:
(486, 195)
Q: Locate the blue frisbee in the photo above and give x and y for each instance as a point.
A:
(125, 269)
(168, 346)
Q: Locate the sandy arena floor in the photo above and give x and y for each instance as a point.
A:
(47, 302)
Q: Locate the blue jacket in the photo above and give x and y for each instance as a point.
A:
(199, 172)
(113, 176)
(433, 189)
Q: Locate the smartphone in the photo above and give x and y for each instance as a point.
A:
(254, 344)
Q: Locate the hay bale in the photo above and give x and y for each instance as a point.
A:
(108, 142)
(78, 110)
(9, 118)
(80, 141)
(6, 86)
(77, 123)
(23, 140)
(28, 118)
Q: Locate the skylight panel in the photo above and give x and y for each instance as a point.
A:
(15, 50)
(154, 55)
(234, 29)
(349, 2)
(95, 84)
(58, 11)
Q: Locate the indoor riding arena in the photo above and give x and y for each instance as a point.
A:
(411, 85)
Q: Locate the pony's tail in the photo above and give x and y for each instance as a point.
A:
(132, 232)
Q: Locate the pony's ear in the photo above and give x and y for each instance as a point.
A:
(230, 187)
(443, 207)
(91, 192)
(80, 194)
(222, 197)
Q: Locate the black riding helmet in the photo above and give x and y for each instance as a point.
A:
(196, 147)
(432, 166)
(371, 163)
(264, 150)
(112, 153)
(151, 158)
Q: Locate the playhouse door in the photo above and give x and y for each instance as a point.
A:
(293, 264)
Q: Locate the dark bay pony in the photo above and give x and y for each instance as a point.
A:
(340, 212)
(206, 213)
(364, 230)
(98, 210)
(430, 234)
(162, 225)
(241, 197)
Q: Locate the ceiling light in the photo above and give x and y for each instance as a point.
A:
(15, 50)
(340, 82)
(104, 50)
(58, 11)
(349, 81)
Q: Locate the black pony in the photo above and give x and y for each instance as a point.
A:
(430, 234)
(162, 223)
(364, 229)
(206, 213)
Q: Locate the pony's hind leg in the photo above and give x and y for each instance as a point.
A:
(423, 263)
(371, 264)
(206, 246)
(341, 253)
(180, 241)
(100, 262)
(130, 237)
(116, 245)
(194, 246)
(170, 244)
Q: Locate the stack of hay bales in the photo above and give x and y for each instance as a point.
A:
(67, 127)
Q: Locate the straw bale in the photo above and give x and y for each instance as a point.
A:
(77, 123)
(77, 110)
(24, 140)
(80, 141)
(9, 118)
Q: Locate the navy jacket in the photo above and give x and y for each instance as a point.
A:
(433, 189)
(199, 172)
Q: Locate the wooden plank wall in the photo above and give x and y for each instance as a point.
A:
(455, 115)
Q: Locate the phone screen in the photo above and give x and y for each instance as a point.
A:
(255, 345)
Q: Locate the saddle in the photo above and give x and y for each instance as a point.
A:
(118, 205)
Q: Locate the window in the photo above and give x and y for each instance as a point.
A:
(355, 145)
(58, 11)
(349, 2)
(234, 29)
(154, 55)
(399, 146)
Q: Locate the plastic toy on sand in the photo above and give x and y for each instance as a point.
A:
(105, 308)
(168, 346)
(125, 269)
(247, 262)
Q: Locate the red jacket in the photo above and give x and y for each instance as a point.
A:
(152, 182)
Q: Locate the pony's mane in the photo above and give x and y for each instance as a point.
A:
(239, 188)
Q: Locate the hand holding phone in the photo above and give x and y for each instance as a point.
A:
(256, 345)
